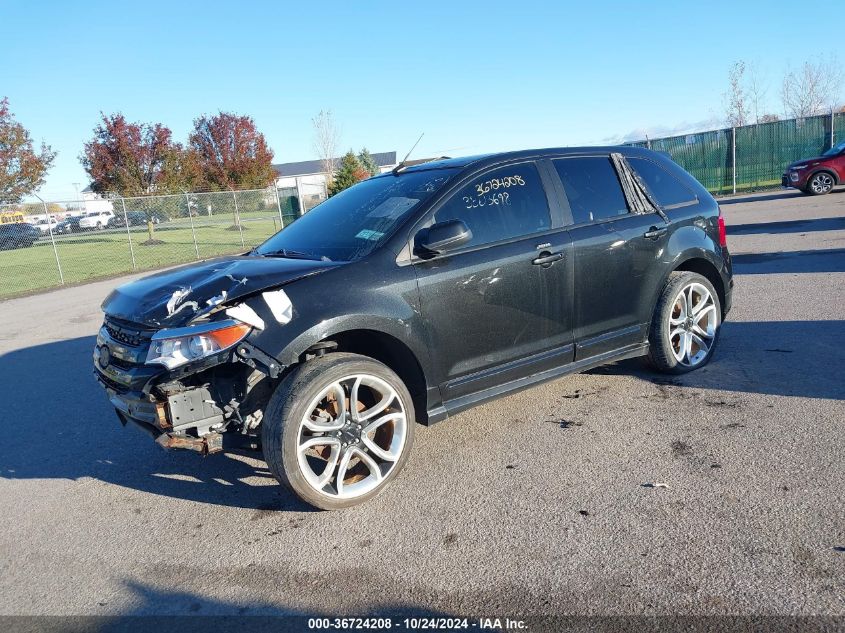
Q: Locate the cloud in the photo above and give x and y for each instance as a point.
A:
(662, 131)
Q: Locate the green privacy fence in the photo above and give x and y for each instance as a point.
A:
(751, 157)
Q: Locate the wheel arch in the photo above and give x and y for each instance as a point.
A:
(386, 349)
(827, 170)
(706, 269)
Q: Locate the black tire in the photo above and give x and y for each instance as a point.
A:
(820, 183)
(282, 423)
(663, 347)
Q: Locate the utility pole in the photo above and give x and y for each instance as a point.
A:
(78, 199)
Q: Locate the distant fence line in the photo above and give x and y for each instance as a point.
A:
(751, 157)
(72, 241)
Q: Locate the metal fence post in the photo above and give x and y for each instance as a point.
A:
(128, 234)
(52, 239)
(299, 199)
(191, 220)
(279, 205)
(238, 219)
(832, 124)
(733, 157)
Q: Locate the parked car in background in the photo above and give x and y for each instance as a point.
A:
(135, 218)
(95, 220)
(18, 235)
(68, 225)
(817, 176)
(412, 296)
(44, 225)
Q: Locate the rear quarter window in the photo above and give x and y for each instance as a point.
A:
(592, 188)
(667, 190)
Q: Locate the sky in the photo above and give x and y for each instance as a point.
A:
(474, 77)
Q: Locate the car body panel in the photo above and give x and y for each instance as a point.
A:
(173, 298)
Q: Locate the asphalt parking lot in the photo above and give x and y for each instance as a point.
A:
(534, 504)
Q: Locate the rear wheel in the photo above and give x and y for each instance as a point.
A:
(820, 184)
(685, 326)
(338, 430)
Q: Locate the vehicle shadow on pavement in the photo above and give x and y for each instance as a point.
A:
(787, 226)
(154, 604)
(60, 425)
(777, 195)
(780, 358)
(830, 260)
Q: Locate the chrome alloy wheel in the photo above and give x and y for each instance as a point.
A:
(821, 183)
(351, 437)
(692, 324)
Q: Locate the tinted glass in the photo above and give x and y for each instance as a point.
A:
(592, 187)
(666, 189)
(835, 150)
(502, 204)
(354, 222)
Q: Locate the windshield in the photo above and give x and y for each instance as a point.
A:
(354, 222)
(836, 149)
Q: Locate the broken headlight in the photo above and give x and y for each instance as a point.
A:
(178, 346)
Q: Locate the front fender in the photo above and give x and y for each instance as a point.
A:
(357, 297)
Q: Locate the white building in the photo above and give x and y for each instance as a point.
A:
(92, 203)
(310, 180)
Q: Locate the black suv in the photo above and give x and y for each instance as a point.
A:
(412, 296)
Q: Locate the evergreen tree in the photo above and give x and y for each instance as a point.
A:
(349, 173)
(367, 161)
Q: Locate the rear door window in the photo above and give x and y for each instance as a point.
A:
(667, 190)
(502, 204)
(592, 187)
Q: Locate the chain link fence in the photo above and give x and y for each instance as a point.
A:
(751, 157)
(43, 245)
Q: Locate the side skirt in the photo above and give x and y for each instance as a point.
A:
(452, 407)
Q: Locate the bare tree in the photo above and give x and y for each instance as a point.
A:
(736, 98)
(815, 87)
(326, 139)
(758, 90)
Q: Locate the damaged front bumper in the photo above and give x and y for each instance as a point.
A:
(155, 418)
(163, 403)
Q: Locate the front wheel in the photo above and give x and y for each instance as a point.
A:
(820, 184)
(685, 326)
(338, 429)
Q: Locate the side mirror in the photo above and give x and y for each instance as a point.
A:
(443, 236)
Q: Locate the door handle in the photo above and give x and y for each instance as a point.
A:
(653, 233)
(547, 259)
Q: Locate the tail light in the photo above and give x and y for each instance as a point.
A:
(723, 236)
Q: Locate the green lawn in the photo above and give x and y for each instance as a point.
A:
(92, 255)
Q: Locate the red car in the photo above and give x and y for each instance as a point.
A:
(818, 176)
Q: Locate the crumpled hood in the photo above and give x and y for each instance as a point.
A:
(172, 298)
